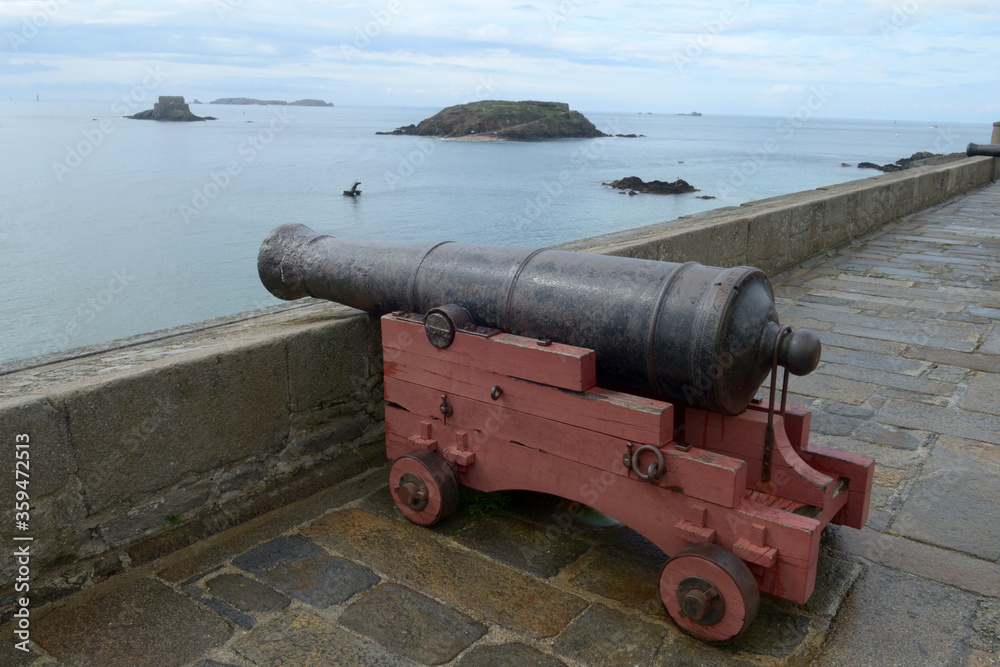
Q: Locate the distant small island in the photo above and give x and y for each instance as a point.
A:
(693, 113)
(634, 185)
(494, 120)
(169, 108)
(249, 101)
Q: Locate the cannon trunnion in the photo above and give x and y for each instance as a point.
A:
(626, 385)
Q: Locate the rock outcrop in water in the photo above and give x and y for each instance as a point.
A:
(633, 184)
(496, 120)
(169, 108)
(900, 164)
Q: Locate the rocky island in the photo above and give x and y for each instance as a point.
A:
(254, 102)
(902, 163)
(493, 120)
(633, 185)
(169, 108)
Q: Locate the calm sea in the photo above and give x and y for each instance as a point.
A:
(113, 227)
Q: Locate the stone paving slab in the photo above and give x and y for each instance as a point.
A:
(909, 383)
(976, 362)
(303, 638)
(983, 394)
(945, 420)
(991, 345)
(915, 338)
(917, 623)
(603, 635)
(504, 655)
(819, 385)
(954, 501)
(411, 624)
(878, 362)
(140, 623)
(832, 341)
(885, 435)
(246, 594)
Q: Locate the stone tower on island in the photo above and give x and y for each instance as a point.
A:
(169, 105)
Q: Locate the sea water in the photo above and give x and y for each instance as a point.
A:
(113, 227)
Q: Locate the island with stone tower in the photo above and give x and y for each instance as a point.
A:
(169, 108)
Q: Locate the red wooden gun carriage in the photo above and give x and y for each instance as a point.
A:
(627, 385)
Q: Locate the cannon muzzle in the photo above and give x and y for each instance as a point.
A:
(989, 150)
(701, 335)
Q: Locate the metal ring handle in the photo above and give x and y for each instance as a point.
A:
(655, 472)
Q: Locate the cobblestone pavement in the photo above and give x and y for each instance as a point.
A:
(910, 322)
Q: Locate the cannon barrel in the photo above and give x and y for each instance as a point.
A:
(686, 332)
(989, 150)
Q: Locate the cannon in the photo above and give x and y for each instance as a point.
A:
(627, 385)
(682, 331)
(988, 150)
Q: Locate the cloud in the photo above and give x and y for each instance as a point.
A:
(747, 56)
(17, 67)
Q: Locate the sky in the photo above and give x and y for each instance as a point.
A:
(879, 59)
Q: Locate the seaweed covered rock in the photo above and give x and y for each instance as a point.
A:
(633, 184)
(900, 164)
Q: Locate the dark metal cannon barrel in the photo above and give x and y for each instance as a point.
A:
(686, 332)
(989, 150)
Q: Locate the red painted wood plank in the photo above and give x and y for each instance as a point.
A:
(792, 582)
(795, 537)
(797, 422)
(701, 474)
(860, 470)
(834, 463)
(558, 365)
(605, 411)
(742, 436)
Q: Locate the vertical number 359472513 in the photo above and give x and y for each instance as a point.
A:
(21, 475)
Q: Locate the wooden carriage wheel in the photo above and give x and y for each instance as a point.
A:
(709, 593)
(424, 487)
